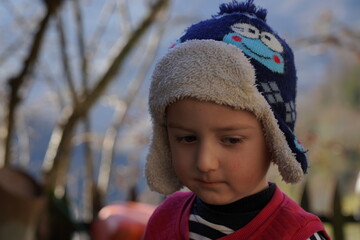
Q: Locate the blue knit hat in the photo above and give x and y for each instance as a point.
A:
(234, 59)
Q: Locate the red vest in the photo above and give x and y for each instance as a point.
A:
(281, 219)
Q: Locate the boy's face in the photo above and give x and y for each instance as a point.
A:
(219, 153)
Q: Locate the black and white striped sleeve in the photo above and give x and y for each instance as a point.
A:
(317, 236)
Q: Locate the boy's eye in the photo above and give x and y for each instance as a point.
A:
(186, 139)
(232, 140)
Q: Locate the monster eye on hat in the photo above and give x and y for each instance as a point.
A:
(235, 59)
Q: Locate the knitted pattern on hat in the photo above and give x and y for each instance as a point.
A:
(233, 59)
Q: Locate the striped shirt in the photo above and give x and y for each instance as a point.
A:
(208, 222)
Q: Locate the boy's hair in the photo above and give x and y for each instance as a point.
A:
(233, 59)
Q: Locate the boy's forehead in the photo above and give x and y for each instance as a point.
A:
(190, 109)
(192, 102)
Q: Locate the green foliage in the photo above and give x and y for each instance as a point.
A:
(351, 88)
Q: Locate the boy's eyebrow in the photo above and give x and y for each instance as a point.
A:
(177, 127)
(220, 129)
(234, 128)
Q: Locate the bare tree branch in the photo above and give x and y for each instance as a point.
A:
(105, 15)
(88, 205)
(81, 46)
(125, 21)
(65, 59)
(335, 34)
(111, 135)
(49, 80)
(24, 141)
(56, 161)
(329, 40)
(11, 49)
(16, 82)
(89, 175)
(19, 20)
(113, 69)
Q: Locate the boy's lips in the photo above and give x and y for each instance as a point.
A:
(208, 182)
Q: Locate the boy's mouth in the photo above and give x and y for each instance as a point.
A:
(208, 182)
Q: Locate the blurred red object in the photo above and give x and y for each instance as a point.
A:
(122, 221)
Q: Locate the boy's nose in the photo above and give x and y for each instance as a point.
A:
(206, 159)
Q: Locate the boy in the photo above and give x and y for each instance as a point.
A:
(222, 103)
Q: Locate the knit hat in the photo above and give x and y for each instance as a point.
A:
(233, 59)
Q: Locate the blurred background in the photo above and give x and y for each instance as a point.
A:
(75, 128)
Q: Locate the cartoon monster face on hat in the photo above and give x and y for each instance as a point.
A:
(260, 45)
